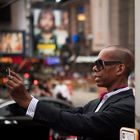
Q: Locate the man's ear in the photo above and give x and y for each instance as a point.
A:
(120, 69)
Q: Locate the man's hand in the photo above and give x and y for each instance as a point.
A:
(17, 90)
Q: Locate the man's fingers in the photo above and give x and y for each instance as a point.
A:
(12, 73)
(14, 79)
(11, 83)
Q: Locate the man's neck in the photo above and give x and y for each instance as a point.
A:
(116, 87)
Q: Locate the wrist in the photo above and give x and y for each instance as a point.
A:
(24, 102)
(27, 102)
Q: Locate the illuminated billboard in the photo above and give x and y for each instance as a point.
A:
(50, 31)
(12, 43)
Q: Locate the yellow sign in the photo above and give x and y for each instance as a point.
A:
(47, 49)
(46, 46)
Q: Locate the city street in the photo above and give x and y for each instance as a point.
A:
(81, 97)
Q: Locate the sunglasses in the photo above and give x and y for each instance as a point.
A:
(100, 64)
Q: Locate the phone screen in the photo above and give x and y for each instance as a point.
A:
(4, 70)
(128, 134)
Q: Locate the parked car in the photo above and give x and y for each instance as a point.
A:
(12, 118)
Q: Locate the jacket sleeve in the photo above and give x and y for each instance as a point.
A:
(78, 123)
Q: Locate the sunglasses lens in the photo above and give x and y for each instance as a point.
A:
(99, 65)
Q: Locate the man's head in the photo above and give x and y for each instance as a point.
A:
(113, 66)
(46, 20)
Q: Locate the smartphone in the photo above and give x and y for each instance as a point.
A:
(129, 134)
(4, 70)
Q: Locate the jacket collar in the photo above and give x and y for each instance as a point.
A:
(114, 98)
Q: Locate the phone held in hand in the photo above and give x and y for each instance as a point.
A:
(4, 70)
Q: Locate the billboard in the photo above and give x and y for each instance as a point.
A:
(12, 43)
(50, 27)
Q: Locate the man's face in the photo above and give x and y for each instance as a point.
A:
(105, 70)
(47, 22)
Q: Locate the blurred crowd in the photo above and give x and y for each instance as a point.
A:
(58, 82)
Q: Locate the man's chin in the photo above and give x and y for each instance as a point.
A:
(99, 85)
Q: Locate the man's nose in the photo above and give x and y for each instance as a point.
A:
(94, 69)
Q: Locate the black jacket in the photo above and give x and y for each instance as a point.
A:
(117, 112)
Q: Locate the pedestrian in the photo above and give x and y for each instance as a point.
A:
(100, 119)
(61, 90)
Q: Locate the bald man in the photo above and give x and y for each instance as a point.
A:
(100, 118)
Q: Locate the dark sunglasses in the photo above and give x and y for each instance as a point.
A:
(100, 64)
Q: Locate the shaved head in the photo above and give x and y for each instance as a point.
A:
(117, 52)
